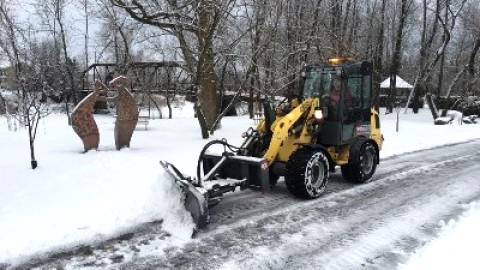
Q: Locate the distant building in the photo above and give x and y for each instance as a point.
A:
(402, 87)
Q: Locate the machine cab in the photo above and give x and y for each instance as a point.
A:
(345, 91)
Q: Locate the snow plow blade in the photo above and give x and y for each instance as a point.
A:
(222, 173)
(196, 201)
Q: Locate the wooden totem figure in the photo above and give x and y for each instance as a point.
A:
(83, 122)
(127, 113)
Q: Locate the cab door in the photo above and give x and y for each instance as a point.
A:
(357, 118)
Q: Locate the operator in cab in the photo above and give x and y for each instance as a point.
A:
(334, 97)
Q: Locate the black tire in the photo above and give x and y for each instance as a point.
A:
(362, 164)
(307, 173)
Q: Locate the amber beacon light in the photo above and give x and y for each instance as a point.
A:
(336, 61)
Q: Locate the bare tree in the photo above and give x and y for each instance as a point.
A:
(193, 24)
(378, 53)
(396, 58)
(472, 23)
(29, 81)
(447, 27)
(62, 78)
(441, 67)
(118, 34)
(427, 61)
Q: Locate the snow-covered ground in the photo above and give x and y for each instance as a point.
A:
(455, 247)
(74, 198)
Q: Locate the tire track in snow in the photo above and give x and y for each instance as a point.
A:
(252, 203)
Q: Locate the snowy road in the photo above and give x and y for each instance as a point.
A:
(371, 226)
(245, 204)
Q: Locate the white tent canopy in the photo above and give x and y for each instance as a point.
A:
(400, 83)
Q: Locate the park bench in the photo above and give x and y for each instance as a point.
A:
(142, 120)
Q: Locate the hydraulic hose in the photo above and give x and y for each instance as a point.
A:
(205, 148)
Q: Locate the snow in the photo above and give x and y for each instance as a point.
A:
(455, 247)
(73, 198)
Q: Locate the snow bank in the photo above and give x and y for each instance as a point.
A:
(88, 203)
(455, 247)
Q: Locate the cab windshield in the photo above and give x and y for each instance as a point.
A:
(317, 83)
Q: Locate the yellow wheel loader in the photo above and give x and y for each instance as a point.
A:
(303, 139)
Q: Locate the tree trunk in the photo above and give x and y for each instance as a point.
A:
(336, 25)
(69, 66)
(207, 94)
(251, 96)
(207, 98)
(426, 43)
(442, 61)
(291, 43)
(449, 90)
(259, 20)
(378, 59)
(396, 59)
(201, 120)
(471, 64)
(31, 140)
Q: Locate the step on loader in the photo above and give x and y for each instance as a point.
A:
(331, 123)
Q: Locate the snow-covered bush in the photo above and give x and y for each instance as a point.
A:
(468, 106)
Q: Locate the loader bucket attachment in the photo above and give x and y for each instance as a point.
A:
(196, 200)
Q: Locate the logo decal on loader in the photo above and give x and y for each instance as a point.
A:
(264, 165)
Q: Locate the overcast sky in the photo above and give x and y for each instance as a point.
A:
(27, 16)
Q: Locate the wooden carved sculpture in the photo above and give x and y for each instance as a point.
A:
(127, 113)
(83, 122)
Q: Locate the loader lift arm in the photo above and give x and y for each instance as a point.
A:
(291, 126)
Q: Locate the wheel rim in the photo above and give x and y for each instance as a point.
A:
(367, 161)
(315, 175)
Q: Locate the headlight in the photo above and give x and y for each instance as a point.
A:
(318, 114)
